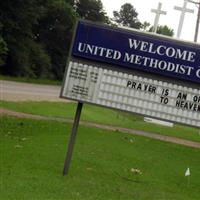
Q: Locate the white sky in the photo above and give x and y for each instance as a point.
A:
(143, 7)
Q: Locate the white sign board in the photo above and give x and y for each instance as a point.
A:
(132, 93)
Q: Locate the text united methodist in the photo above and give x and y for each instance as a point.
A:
(148, 55)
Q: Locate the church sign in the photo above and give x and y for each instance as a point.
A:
(134, 71)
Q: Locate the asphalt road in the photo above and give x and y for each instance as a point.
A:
(16, 91)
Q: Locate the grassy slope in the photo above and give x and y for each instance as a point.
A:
(101, 115)
(33, 152)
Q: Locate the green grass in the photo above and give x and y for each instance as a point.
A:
(30, 80)
(33, 152)
(101, 115)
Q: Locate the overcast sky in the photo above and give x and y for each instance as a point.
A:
(143, 7)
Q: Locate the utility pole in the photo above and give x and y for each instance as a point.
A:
(197, 21)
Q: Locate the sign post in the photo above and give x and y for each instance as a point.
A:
(72, 139)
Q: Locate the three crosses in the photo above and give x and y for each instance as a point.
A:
(183, 10)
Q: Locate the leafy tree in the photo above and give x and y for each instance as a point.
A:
(3, 49)
(127, 16)
(55, 32)
(18, 18)
(71, 2)
(145, 26)
(37, 34)
(40, 61)
(164, 30)
(91, 10)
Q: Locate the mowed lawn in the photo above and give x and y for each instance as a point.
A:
(32, 154)
(101, 115)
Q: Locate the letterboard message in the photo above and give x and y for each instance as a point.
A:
(132, 93)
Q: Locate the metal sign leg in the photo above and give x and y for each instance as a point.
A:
(72, 139)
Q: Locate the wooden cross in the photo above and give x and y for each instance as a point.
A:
(183, 10)
(158, 12)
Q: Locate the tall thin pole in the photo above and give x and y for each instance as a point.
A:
(72, 139)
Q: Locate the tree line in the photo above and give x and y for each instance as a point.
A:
(35, 35)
